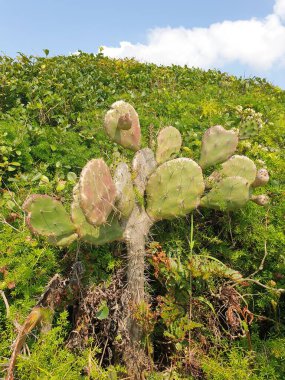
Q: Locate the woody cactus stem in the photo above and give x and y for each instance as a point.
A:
(137, 229)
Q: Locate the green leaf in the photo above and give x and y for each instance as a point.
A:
(72, 177)
(103, 312)
(60, 186)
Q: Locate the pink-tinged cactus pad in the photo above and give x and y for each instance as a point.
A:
(218, 145)
(97, 235)
(97, 192)
(122, 125)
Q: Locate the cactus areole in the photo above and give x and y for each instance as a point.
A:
(159, 185)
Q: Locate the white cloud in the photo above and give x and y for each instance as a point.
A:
(258, 43)
(279, 8)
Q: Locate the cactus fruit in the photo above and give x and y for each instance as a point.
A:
(260, 200)
(122, 125)
(239, 166)
(169, 142)
(47, 217)
(97, 235)
(125, 190)
(218, 145)
(261, 179)
(228, 194)
(97, 192)
(174, 189)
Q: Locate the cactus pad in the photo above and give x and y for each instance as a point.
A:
(261, 179)
(218, 145)
(47, 217)
(125, 190)
(174, 189)
(239, 166)
(169, 142)
(248, 129)
(97, 235)
(122, 125)
(228, 194)
(97, 192)
(143, 165)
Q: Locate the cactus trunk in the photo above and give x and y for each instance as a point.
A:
(136, 232)
(135, 273)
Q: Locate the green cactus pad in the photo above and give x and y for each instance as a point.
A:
(97, 235)
(239, 166)
(97, 192)
(248, 129)
(228, 194)
(125, 190)
(169, 142)
(174, 189)
(122, 125)
(261, 179)
(47, 217)
(218, 145)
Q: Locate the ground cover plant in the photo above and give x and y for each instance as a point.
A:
(214, 279)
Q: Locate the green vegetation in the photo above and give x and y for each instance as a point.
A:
(215, 310)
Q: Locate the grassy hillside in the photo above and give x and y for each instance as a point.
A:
(51, 112)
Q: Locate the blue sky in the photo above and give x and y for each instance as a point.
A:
(244, 37)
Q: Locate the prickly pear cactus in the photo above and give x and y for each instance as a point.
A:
(155, 187)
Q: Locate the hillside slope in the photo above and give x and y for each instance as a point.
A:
(51, 112)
